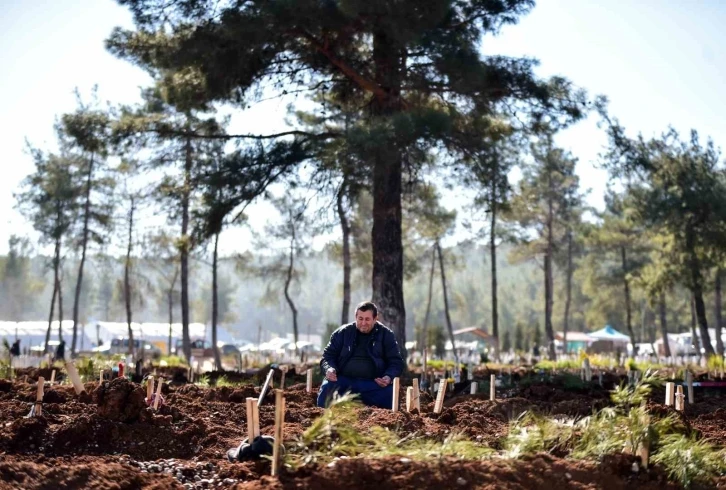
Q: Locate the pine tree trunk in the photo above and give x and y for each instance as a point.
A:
(425, 333)
(288, 281)
(568, 290)
(386, 236)
(127, 278)
(697, 289)
(549, 331)
(493, 258)
(84, 246)
(719, 321)
(170, 300)
(56, 261)
(694, 336)
(345, 228)
(60, 303)
(446, 303)
(628, 307)
(664, 326)
(215, 303)
(184, 252)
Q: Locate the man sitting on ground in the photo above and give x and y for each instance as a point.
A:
(363, 358)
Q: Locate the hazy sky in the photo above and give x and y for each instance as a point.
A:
(660, 62)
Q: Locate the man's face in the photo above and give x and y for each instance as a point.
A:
(364, 321)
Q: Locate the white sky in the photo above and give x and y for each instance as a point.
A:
(660, 62)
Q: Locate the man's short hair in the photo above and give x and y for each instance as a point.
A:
(367, 306)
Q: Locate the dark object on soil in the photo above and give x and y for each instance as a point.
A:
(261, 445)
(120, 400)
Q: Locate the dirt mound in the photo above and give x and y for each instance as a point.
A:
(540, 472)
(72, 475)
(712, 426)
(120, 400)
(55, 396)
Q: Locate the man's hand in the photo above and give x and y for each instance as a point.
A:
(383, 382)
(330, 375)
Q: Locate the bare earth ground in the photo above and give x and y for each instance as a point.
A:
(108, 439)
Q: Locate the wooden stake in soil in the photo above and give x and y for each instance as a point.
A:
(279, 422)
(309, 386)
(409, 399)
(416, 395)
(75, 379)
(396, 394)
(670, 386)
(100, 377)
(149, 388)
(158, 394)
(492, 387)
(689, 382)
(266, 386)
(473, 388)
(680, 402)
(283, 369)
(39, 397)
(440, 396)
(52, 377)
(253, 419)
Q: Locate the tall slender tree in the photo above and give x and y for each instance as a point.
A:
(49, 199)
(87, 132)
(538, 208)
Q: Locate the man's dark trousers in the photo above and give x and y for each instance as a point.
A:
(368, 391)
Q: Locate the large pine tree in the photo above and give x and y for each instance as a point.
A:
(414, 68)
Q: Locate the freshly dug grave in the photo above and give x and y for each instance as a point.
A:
(538, 472)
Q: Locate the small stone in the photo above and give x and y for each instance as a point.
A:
(460, 481)
(197, 478)
(568, 476)
(405, 460)
(635, 468)
(228, 481)
(331, 464)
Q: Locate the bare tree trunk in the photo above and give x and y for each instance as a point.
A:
(60, 303)
(84, 246)
(345, 228)
(127, 277)
(56, 261)
(288, 281)
(446, 304)
(697, 290)
(170, 300)
(386, 236)
(493, 258)
(664, 326)
(425, 333)
(694, 335)
(568, 289)
(719, 321)
(215, 303)
(628, 308)
(549, 331)
(184, 252)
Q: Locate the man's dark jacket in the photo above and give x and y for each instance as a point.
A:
(382, 348)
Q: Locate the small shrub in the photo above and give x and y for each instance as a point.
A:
(532, 433)
(688, 460)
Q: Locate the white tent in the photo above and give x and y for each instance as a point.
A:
(609, 333)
